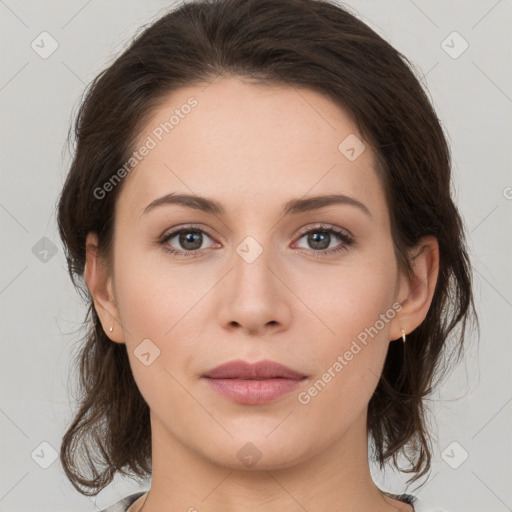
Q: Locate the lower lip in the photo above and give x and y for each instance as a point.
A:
(254, 392)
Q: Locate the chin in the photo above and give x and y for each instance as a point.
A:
(258, 453)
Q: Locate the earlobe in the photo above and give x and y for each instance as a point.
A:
(99, 283)
(416, 293)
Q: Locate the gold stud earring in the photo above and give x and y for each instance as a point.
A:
(403, 335)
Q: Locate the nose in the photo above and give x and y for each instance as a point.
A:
(254, 297)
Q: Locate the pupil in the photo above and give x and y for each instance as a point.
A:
(188, 237)
(324, 243)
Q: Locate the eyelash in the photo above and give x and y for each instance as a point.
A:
(322, 228)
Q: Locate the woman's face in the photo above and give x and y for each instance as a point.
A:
(253, 287)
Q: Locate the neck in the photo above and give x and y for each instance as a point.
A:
(337, 478)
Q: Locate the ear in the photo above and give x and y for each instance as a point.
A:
(416, 293)
(99, 283)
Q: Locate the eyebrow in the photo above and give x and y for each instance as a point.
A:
(293, 206)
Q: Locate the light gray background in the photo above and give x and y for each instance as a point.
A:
(40, 309)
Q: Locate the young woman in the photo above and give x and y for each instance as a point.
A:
(259, 206)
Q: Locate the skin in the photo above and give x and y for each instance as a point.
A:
(252, 148)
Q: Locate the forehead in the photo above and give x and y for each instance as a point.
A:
(235, 141)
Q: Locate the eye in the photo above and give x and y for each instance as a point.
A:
(190, 239)
(320, 238)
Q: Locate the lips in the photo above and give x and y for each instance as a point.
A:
(261, 370)
(253, 384)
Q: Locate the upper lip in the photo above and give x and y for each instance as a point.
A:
(240, 369)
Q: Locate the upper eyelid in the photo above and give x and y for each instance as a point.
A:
(305, 229)
(325, 226)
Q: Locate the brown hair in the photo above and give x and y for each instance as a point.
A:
(307, 43)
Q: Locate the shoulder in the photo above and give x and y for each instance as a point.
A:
(418, 504)
(122, 505)
(424, 506)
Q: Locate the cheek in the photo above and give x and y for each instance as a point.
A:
(165, 305)
(355, 304)
(351, 297)
(154, 297)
